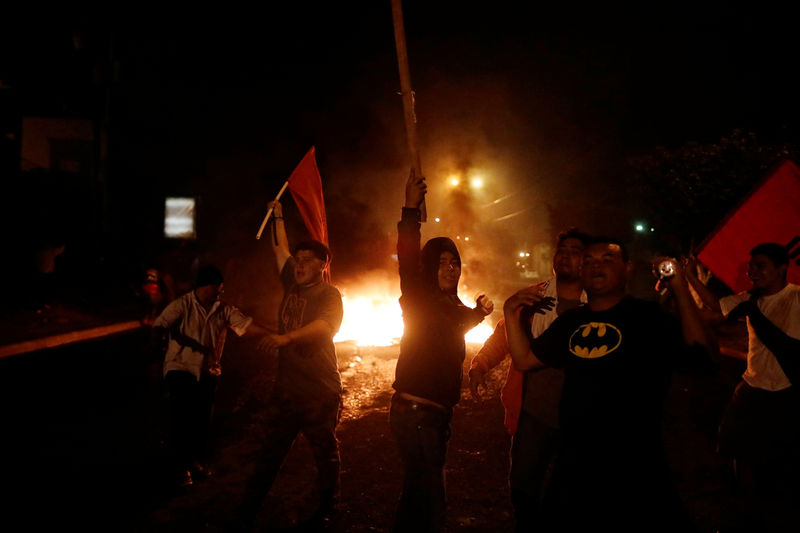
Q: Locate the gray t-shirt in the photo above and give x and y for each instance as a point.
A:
(308, 368)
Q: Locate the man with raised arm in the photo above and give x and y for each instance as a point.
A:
(531, 398)
(308, 388)
(759, 431)
(618, 353)
(429, 369)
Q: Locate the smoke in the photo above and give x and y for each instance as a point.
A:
(537, 141)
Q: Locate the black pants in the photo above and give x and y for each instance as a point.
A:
(533, 452)
(422, 432)
(316, 418)
(191, 404)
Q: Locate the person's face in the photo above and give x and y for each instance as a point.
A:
(568, 259)
(449, 271)
(209, 294)
(604, 271)
(766, 277)
(308, 267)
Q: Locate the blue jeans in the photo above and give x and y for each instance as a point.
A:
(422, 432)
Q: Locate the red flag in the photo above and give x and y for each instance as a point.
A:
(305, 185)
(770, 213)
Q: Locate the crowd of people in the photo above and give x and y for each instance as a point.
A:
(590, 369)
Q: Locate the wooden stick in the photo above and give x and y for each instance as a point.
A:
(269, 212)
(407, 93)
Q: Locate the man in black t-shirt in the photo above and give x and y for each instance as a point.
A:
(618, 354)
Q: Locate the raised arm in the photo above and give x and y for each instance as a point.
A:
(280, 242)
(408, 232)
(696, 331)
(706, 296)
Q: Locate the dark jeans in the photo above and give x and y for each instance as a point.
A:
(533, 450)
(422, 433)
(316, 418)
(191, 404)
(760, 431)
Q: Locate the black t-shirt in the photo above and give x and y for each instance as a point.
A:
(618, 365)
(611, 472)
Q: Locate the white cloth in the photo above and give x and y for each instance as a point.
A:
(208, 329)
(783, 310)
(542, 322)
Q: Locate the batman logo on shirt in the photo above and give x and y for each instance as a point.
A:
(594, 340)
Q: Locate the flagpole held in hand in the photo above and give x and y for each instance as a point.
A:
(407, 93)
(269, 212)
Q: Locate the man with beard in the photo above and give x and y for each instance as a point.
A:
(531, 398)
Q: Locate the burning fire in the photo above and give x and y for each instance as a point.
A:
(370, 320)
(372, 316)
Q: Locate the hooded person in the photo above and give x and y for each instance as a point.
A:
(429, 370)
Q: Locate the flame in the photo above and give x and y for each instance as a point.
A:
(372, 316)
(479, 333)
(370, 320)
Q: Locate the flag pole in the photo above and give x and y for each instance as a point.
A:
(407, 93)
(269, 212)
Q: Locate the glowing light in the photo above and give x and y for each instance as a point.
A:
(639, 227)
(466, 238)
(527, 254)
(371, 319)
(476, 182)
(454, 181)
(179, 218)
(652, 229)
(436, 219)
(522, 254)
(479, 334)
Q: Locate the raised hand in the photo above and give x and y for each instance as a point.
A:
(415, 190)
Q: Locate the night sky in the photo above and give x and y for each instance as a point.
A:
(545, 101)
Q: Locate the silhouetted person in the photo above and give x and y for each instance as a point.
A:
(618, 354)
(531, 398)
(429, 369)
(308, 388)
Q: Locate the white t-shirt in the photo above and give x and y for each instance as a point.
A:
(783, 310)
(207, 329)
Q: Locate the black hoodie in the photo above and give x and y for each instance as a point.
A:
(432, 349)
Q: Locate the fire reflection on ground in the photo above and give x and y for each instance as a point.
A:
(368, 372)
